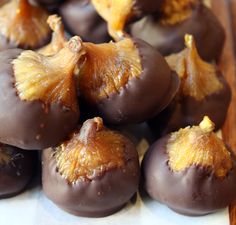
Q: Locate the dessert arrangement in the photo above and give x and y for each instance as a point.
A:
(76, 73)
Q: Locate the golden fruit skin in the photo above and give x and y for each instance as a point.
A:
(49, 79)
(116, 13)
(24, 25)
(108, 68)
(199, 78)
(176, 11)
(91, 152)
(198, 146)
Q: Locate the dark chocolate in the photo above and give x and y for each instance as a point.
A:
(144, 97)
(81, 18)
(203, 25)
(16, 170)
(144, 7)
(98, 197)
(194, 191)
(29, 124)
(187, 111)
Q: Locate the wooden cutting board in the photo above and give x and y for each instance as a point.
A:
(226, 12)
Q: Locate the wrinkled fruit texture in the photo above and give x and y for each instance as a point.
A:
(116, 13)
(199, 78)
(198, 146)
(175, 11)
(23, 24)
(108, 68)
(90, 152)
(49, 79)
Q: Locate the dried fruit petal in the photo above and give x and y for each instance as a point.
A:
(198, 146)
(108, 68)
(116, 13)
(90, 152)
(199, 78)
(175, 11)
(49, 79)
(24, 24)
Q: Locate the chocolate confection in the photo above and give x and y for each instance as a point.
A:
(81, 19)
(166, 34)
(204, 91)
(119, 13)
(16, 170)
(198, 184)
(93, 174)
(127, 81)
(37, 109)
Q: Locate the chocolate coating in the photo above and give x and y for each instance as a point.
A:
(187, 111)
(194, 191)
(51, 5)
(145, 7)
(81, 18)
(144, 97)
(29, 124)
(203, 25)
(16, 173)
(99, 197)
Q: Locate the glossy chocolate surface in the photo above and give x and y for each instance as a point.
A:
(80, 18)
(29, 124)
(203, 25)
(16, 170)
(187, 111)
(144, 97)
(194, 191)
(98, 197)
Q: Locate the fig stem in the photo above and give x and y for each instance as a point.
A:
(58, 36)
(207, 125)
(191, 45)
(89, 129)
(68, 57)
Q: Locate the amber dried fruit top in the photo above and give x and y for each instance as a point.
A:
(116, 13)
(24, 24)
(49, 78)
(176, 11)
(91, 152)
(108, 68)
(199, 146)
(199, 78)
(58, 40)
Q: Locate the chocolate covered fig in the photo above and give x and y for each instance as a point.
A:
(38, 96)
(16, 170)
(81, 19)
(23, 25)
(203, 91)
(165, 30)
(94, 173)
(127, 81)
(118, 13)
(191, 171)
